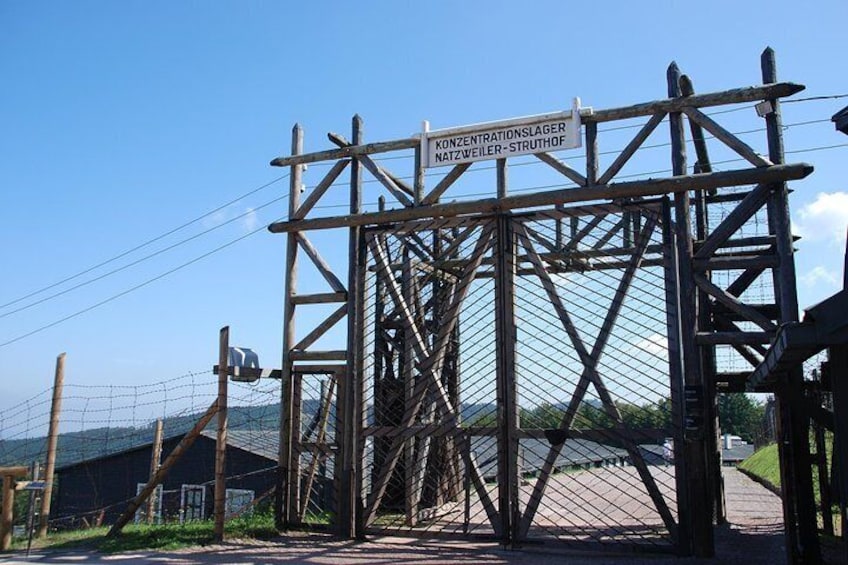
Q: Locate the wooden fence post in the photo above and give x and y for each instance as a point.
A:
(221, 443)
(155, 457)
(9, 474)
(52, 439)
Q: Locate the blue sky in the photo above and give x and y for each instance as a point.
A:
(124, 120)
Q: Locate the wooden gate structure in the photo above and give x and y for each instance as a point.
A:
(541, 366)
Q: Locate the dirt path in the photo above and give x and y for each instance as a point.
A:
(754, 536)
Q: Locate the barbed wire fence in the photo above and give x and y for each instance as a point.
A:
(106, 442)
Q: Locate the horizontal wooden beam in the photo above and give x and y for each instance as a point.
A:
(352, 151)
(338, 355)
(320, 298)
(319, 369)
(734, 338)
(734, 96)
(632, 189)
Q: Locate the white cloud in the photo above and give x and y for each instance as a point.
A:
(250, 221)
(655, 344)
(824, 219)
(818, 275)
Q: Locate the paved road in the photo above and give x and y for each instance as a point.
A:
(754, 536)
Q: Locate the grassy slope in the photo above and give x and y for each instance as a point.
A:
(764, 464)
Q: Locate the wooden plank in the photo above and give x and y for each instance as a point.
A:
(326, 369)
(632, 147)
(172, 458)
(322, 328)
(319, 263)
(320, 298)
(678, 103)
(614, 191)
(320, 189)
(733, 263)
(733, 303)
(349, 151)
(446, 182)
(332, 355)
(734, 338)
(562, 168)
(52, 440)
(730, 140)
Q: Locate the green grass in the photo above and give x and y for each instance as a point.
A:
(161, 537)
(764, 464)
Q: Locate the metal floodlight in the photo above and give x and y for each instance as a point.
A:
(244, 358)
(840, 118)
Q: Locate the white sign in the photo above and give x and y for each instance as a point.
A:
(507, 138)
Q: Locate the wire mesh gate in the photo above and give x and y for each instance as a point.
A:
(516, 379)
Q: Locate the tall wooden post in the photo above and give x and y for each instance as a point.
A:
(155, 458)
(796, 471)
(694, 449)
(676, 379)
(285, 500)
(507, 394)
(52, 439)
(221, 442)
(350, 495)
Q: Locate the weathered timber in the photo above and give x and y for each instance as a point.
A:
(320, 263)
(730, 140)
(319, 190)
(155, 460)
(731, 263)
(220, 502)
(802, 542)
(733, 303)
(561, 168)
(331, 355)
(591, 153)
(752, 202)
(677, 104)
(734, 338)
(695, 450)
(348, 465)
(284, 511)
(632, 147)
(52, 440)
(614, 191)
(320, 298)
(350, 151)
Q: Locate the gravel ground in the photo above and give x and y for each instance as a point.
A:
(753, 536)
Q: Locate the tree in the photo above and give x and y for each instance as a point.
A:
(739, 414)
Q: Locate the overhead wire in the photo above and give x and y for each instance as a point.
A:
(253, 232)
